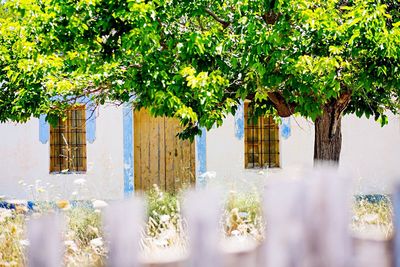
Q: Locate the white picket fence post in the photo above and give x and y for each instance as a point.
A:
(396, 241)
(307, 225)
(45, 241)
(123, 222)
(202, 211)
(327, 219)
(284, 213)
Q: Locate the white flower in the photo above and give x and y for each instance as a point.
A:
(41, 190)
(71, 245)
(370, 218)
(164, 218)
(98, 204)
(80, 181)
(97, 242)
(24, 242)
(235, 233)
(161, 242)
(4, 214)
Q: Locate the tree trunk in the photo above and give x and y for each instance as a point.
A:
(328, 130)
(328, 136)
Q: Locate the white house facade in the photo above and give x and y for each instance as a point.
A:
(370, 152)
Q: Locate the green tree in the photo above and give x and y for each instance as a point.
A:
(195, 60)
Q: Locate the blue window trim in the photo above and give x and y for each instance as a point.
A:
(44, 127)
(239, 121)
(284, 127)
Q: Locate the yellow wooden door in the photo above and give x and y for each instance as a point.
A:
(160, 156)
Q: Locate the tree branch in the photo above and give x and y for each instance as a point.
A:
(270, 17)
(339, 106)
(282, 107)
(224, 23)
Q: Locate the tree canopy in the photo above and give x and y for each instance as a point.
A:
(195, 60)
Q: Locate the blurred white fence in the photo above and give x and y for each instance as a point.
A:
(307, 225)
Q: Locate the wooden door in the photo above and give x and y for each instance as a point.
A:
(160, 156)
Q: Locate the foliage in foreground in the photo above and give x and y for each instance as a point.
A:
(196, 60)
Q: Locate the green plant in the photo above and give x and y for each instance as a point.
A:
(12, 238)
(373, 216)
(243, 215)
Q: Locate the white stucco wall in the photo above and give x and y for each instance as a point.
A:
(370, 154)
(24, 157)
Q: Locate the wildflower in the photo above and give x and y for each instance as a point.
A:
(21, 208)
(370, 218)
(99, 204)
(41, 190)
(235, 233)
(97, 242)
(4, 214)
(161, 242)
(71, 245)
(63, 204)
(165, 218)
(24, 242)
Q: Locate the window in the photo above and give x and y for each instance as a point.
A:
(68, 142)
(261, 141)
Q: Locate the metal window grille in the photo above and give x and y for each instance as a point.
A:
(68, 142)
(261, 141)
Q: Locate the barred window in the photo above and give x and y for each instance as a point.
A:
(261, 141)
(68, 142)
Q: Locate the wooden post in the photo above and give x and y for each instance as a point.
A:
(202, 211)
(45, 241)
(122, 225)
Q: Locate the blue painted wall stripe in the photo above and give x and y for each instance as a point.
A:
(127, 114)
(239, 121)
(44, 129)
(285, 129)
(201, 158)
